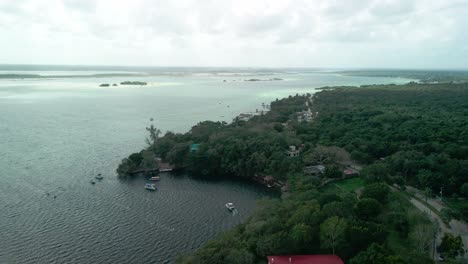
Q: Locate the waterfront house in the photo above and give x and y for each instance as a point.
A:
(244, 117)
(348, 172)
(164, 166)
(292, 151)
(268, 180)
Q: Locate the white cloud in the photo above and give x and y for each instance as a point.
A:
(276, 33)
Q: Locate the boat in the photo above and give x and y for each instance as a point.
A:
(165, 170)
(230, 206)
(150, 186)
(155, 178)
(99, 177)
(92, 182)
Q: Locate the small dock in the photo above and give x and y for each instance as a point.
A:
(269, 181)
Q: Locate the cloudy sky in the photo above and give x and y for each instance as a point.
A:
(273, 33)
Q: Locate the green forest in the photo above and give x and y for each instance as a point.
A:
(397, 135)
(424, 76)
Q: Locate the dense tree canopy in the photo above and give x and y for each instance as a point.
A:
(418, 132)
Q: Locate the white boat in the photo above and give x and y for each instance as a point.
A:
(150, 186)
(155, 178)
(99, 177)
(230, 206)
(165, 170)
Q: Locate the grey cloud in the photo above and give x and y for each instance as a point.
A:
(214, 17)
(179, 42)
(299, 27)
(327, 32)
(392, 7)
(105, 32)
(344, 9)
(261, 24)
(12, 7)
(164, 20)
(81, 5)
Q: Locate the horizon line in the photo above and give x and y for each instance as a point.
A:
(240, 67)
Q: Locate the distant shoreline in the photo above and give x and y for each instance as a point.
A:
(38, 76)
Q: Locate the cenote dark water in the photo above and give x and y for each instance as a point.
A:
(57, 134)
(119, 222)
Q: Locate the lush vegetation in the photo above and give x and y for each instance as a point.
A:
(415, 134)
(350, 185)
(310, 221)
(133, 83)
(425, 76)
(240, 149)
(412, 134)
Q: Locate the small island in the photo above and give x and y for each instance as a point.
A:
(263, 80)
(104, 85)
(133, 83)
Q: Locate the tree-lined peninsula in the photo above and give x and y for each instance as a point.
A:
(343, 159)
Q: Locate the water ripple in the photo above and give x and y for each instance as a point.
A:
(114, 221)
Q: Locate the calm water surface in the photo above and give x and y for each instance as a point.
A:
(57, 134)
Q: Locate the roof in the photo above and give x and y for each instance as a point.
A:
(268, 178)
(320, 167)
(349, 171)
(305, 259)
(194, 147)
(316, 168)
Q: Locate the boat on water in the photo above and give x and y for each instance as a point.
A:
(165, 170)
(99, 177)
(92, 182)
(155, 178)
(150, 186)
(230, 206)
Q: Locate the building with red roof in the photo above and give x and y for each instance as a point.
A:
(350, 172)
(305, 259)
